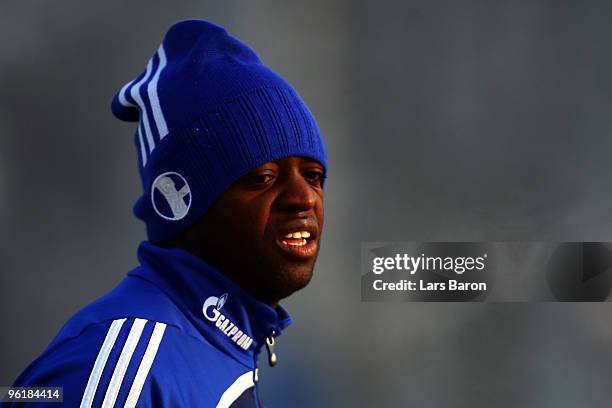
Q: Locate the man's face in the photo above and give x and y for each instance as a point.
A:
(264, 230)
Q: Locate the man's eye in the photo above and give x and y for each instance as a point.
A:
(315, 177)
(261, 179)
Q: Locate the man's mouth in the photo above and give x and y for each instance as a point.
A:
(299, 244)
(298, 238)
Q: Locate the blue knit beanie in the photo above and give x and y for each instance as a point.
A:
(209, 111)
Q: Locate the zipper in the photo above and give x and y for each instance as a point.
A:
(270, 344)
(272, 360)
(256, 383)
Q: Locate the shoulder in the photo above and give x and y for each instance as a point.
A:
(133, 297)
(134, 347)
(133, 362)
(93, 365)
(137, 362)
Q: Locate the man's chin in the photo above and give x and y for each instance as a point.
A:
(287, 281)
(299, 279)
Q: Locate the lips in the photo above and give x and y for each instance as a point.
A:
(298, 240)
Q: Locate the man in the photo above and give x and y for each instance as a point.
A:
(232, 165)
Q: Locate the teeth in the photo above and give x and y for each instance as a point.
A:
(298, 234)
(301, 243)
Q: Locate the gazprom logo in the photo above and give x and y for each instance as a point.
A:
(171, 196)
(212, 312)
(218, 303)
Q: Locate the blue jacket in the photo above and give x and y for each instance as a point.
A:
(174, 333)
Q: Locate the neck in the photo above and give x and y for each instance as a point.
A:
(181, 242)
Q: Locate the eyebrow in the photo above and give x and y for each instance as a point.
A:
(311, 161)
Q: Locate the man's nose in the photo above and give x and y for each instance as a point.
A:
(296, 194)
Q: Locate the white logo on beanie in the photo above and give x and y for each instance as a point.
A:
(171, 196)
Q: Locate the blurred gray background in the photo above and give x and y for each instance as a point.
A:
(444, 120)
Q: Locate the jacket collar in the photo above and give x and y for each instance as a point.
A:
(224, 314)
